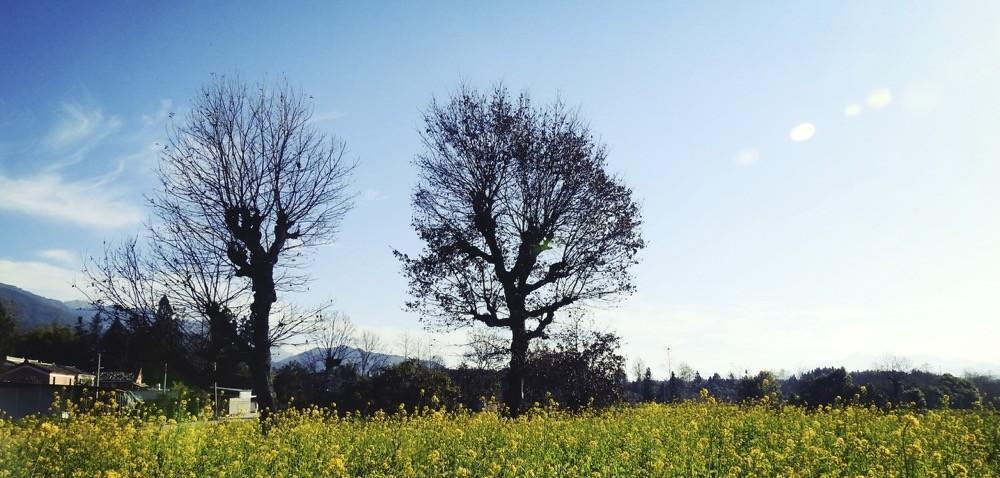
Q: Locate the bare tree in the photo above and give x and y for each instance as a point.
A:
(895, 367)
(369, 350)
(247, 185)
(487, 349)
(424, 349)
(639, 368)
(685, 372)
(520, 220)
(123, 283)
(406, 344)
(333, 339)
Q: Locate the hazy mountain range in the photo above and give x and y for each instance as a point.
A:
(31, 310)
(352, 356)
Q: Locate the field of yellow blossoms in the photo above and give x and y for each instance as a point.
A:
(695, 439)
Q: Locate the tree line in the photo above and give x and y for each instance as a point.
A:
(579, 367)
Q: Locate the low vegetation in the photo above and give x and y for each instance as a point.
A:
(700, 438)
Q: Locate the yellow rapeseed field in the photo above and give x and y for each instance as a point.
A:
(695, 439)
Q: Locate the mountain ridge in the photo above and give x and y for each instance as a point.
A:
(31, 310)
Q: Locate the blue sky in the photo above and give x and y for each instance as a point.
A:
(819, 179)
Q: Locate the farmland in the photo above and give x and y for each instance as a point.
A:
(691, 439)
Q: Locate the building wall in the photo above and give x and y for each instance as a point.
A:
(60, 379)
(239, 407)
(34, 375)
(18, 400)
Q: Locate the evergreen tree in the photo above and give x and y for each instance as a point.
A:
(114, 345)
(648, 394)
(7, 332)
(674, 388)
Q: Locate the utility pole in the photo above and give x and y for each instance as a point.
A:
(215, 389)
(97, 387)
(164, 376)
(670, 371)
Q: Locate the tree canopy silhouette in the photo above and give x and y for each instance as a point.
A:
(520, 219)
(247, 184)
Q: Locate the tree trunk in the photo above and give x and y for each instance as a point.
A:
(513, 396)
(260, 310)
(263, 385)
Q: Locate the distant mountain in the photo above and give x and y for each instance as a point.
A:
(351, 356)
(32, 310)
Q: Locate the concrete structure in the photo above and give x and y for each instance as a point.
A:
(238, 402)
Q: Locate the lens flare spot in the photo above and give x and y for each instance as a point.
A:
(879, 98)
(852, 109)
(802, 132)
(747, 156)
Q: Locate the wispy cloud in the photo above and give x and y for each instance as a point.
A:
(78, 130)
(326, 116)
(87, 203)
(99, 199)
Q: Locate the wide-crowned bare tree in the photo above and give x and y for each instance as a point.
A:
(247, 184)
(521, 220)
(249, 179)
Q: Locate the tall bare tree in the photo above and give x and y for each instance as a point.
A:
(247, 186)
(520, 220)
(332, 340)
(638, 369)
(248, 179)
(370, 354)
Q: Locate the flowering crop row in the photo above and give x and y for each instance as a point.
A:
(696, 439)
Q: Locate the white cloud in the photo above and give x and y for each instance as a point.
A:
(879, 98)
(78, 130)
(61, 256)
(747, 156)
(802, 132)
(852, 109)
(87, 203)
(40, 278)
